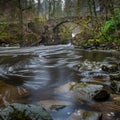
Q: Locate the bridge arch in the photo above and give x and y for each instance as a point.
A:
(70, 25)
(66, 20)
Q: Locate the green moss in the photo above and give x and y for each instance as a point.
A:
(40, 19)
(94, 41)
(79, 85)
(30, 38)
(4, 35)
(87, 114)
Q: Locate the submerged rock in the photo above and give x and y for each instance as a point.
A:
(54, 104)
(18, 111)
(85, 115)
(66, 88)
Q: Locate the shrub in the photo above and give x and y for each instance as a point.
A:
(110, 26)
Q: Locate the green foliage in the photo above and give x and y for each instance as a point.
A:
(109, 28)
(90, 31)
(4, 35)
(40, 20)
(94, 42)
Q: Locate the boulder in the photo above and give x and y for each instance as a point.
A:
(88, 92)
(18, 111)
(102, 95)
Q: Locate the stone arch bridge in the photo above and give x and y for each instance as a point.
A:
(55, 23)
(50, 32)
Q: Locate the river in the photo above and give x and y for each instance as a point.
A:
(30, 75)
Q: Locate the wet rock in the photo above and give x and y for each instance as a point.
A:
(88, 65)
(115, 77)
(102, 95)
(115, 85)
(110, 68)
(65, 88)
(115, 82)
(17, 111)
(116, 98)
(85, 91)
(109, 116)
(85, 115)
(54, 104)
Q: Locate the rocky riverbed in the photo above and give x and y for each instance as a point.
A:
(68, 83)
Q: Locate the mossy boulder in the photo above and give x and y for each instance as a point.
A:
(18, 111)
(88, 92)
(82, 38)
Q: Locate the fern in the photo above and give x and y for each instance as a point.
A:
(108, 30)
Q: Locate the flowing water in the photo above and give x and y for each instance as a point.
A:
(30, 75)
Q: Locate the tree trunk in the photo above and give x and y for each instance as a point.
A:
(20, 21)
(38, 9)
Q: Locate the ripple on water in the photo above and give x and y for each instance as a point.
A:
(33, 71)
